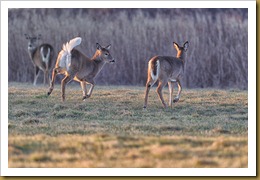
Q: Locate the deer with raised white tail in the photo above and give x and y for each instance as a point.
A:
(41, 56)
(166, 69)
(76, 66)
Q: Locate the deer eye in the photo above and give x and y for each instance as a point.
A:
(106, 54)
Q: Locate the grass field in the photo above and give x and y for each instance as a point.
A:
(206, 128)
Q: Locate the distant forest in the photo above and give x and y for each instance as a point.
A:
(217, 56)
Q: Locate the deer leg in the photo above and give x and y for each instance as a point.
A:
(54, 73)
(92, 85)
(49, 78)
(176, 99)
(170, 84)
(46, 78)
(84, 89)
(148, 87)
(46, 72)
(149, 84)
(159, 92)
(63, 84)
(36, 75)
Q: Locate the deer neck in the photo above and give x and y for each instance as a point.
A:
(97, 59)
(31, 52)
(181, 56)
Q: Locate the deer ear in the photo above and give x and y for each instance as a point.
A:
(108, 47)
(186, 45)
(98, 46)
(27, 36)
(175, 45)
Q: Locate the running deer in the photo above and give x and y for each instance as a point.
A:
(76, 66)
(166, 69)
(41, 57)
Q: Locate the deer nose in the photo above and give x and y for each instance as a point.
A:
(112, 61)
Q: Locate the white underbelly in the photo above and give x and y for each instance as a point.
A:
(172, 79)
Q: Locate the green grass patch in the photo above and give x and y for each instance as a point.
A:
(113, 122)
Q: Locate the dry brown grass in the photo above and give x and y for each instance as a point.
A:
(103, 150)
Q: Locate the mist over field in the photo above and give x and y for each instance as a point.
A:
(217, 56)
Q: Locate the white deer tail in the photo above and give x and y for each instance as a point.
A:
(65, 60)
(45, 57)
(71, 44)
(155, 69)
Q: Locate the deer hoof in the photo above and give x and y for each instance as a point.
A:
(85, 97)
(175, 100)
(50, 91)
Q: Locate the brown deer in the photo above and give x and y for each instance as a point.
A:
(166, 69)
(76, 66)
(41, 57)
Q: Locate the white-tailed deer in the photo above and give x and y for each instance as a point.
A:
(166, 69)
(41, 56)
(76, 66)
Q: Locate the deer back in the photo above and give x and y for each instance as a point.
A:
(80, 63)
(170, 67)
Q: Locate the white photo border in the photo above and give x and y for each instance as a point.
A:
(250, 171)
